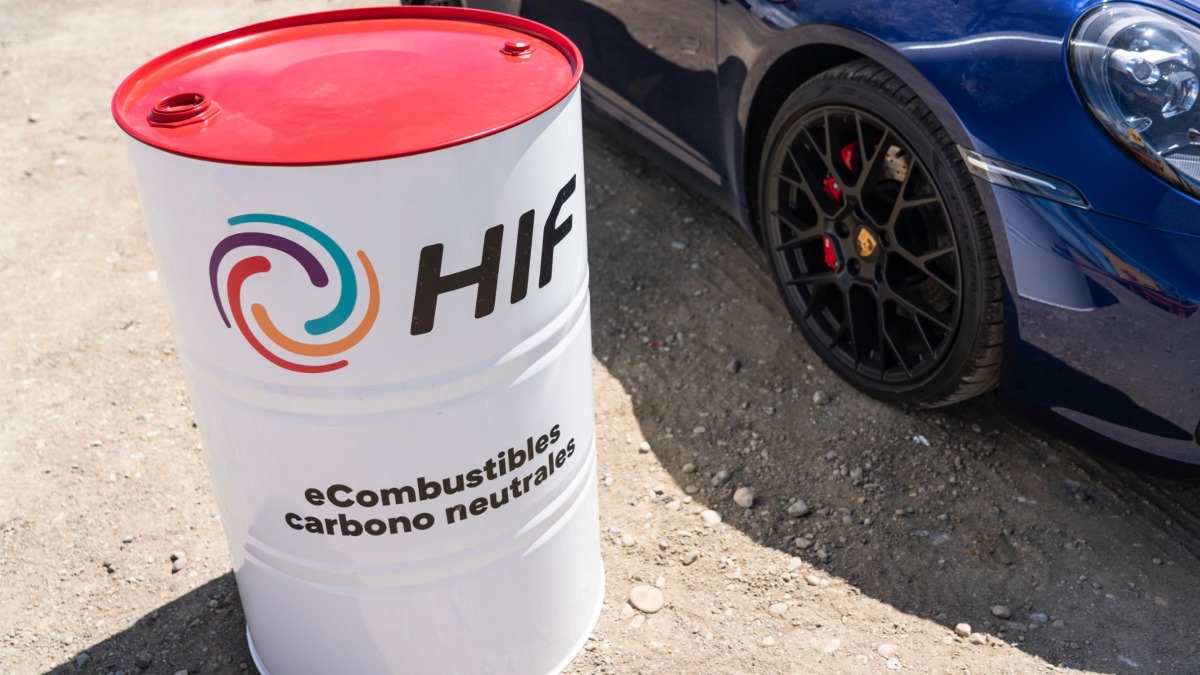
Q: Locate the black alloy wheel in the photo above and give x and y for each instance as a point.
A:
(878, 240)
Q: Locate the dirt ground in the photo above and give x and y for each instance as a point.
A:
(912, 522)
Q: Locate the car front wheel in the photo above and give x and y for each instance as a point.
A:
(878, 239)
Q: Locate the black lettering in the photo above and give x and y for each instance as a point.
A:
(293, 521)
(515, 458)
(375, 527)
(431, 283)
(516, 487)
(350, 527)
(554, 434)
(314, 497)
(423, 521)
(399, 495)
(457, 483)
(401, 521)
(520, 285)
(552, 235)
(456, 509)
(571, 447)
(543, 443)
(428, 490)
(541, 476)
(367, 498)
(527, 481)
(490, 467)
(560, 458)
(333, 490)
(331, 526)
(474, 478)
(496, 502)
(479, 505)
(313, 525)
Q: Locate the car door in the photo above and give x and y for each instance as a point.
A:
(651, 65)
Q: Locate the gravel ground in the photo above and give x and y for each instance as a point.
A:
(757, 514)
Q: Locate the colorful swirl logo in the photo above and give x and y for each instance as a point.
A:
(257, 264)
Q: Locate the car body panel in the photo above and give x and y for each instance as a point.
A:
(1100, 300)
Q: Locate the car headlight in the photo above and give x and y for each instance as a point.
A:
(1137, 71)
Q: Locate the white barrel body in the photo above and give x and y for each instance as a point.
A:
(347, 557)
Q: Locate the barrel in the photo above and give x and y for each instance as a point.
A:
(370, 228)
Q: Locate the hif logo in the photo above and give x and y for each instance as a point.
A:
(256, 264)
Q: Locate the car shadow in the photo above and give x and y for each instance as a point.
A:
(942, 514)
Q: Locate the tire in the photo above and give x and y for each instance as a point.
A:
(878, 240)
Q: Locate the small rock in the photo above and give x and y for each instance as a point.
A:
(628, 540)
(802, 543)
(814, 580)
(744, 497)
(690, 557)
(978, 639)
(1001, 612)
(734, 367)
(108, 567)
(721, 477)
(856, 474)
(674, 505)
(696, 431)
(636, 622)
(820, 398)
(711, 518)
(627, 611)
(81, 659)
(181, 672)
(798, 508)
(144, 659)
(689, 468)
(893, 664)
(962, 630)
(1038, 617)
(921, 440)
(691, 489)
(887, 650)
(644, 446)
(178, 561)
(646, 599)
(1058, 623)
(34, 117)
(795, 564)
(127, 539)
(778, 609)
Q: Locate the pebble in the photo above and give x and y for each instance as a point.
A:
(1038, 617)
(644, 446)
(795, 564)
(778, 609)
(798, 508)
(978, 639)
(636, 622)
(734, 367)
(893, 663)
(856, 473)
(710, 517)
(1001, 612)
(887, 650)
(802, 543)
(691, 489)
(721, 477)
(144, 659)
(646, 599)
(744, 497)
(108, 567)
(690, 557)
(178, 561)
(921, 440)
(674, 505)
(814, 580)
(689, 468)
(81, 659)
(820, 398)
(628, 540)
(627, 611)
(34, 117)
(962, 630)
(181, 672)
(127, 539)
(696, 431)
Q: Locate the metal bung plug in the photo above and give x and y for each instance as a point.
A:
(179, 110)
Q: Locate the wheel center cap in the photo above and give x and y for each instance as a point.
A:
(865, 243)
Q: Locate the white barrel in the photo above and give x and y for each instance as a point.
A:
(382, 310)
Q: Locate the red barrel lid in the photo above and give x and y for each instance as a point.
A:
(348, 86)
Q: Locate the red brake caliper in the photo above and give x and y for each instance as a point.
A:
(849, 157)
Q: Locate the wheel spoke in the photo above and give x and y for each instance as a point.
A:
(917, 308)
(920, 262)
(819, 277)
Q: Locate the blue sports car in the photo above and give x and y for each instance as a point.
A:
(953, 196)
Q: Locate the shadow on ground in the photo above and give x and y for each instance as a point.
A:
(941, 515)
